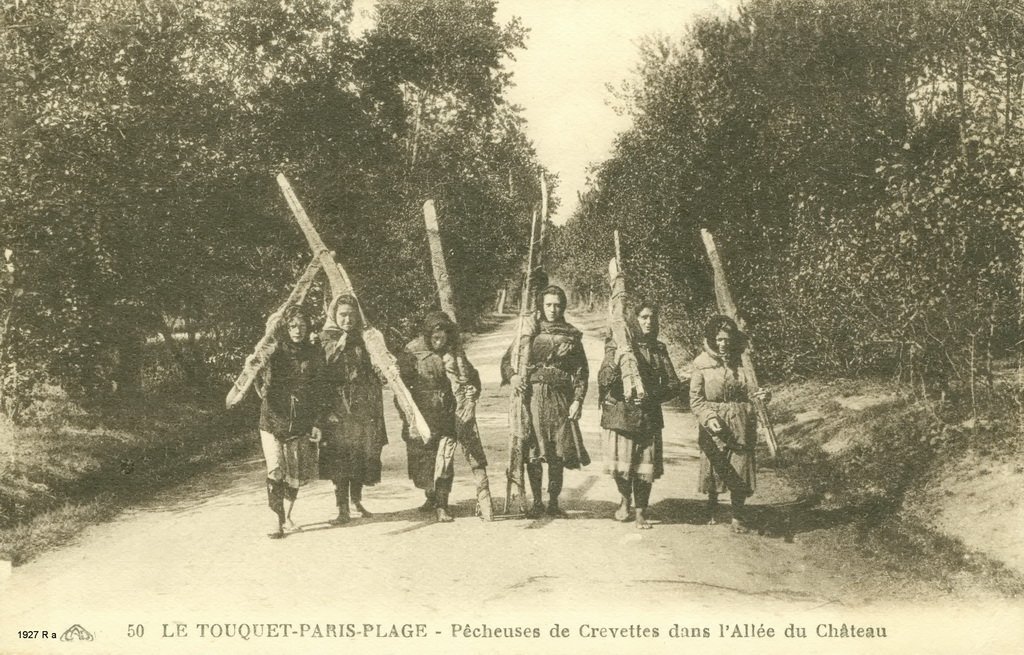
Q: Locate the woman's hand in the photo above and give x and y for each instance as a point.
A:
(764, 395)
(469, 392)
(316, 436)
(575, 410)
(518, 383)
(715, 426)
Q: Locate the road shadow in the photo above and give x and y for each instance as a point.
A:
(573, 503)
(417, 517)
(774, 520)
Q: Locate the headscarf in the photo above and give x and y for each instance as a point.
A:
(551, 291)
(344, 299)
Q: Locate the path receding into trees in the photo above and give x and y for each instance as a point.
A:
(199, 554)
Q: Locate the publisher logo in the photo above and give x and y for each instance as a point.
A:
(76, 633)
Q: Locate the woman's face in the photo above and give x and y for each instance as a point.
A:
(648, 320)
(438, 340)
(724, 342)
(346, 317)
(298, 329)
(554, 309)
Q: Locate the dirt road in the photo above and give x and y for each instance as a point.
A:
(199, 555)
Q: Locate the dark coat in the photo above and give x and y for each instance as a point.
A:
(425, 373)
(556, 357)
(354, 400)
(290, 386)
(353, 416)
(557, 377)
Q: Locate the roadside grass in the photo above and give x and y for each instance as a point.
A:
(871, 460)
(909, 548)
(65, 467)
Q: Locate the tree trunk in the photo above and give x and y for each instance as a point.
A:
(961, 101)
(188, 369)
(1020, 342)
(128, 362)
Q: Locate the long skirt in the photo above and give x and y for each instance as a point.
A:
(557, 440)
(293, 462)
(350, 456)
(633, 457)
(736, 469)
(421, 460)
(428, 463)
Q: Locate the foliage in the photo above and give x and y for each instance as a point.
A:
(141, 140)
(859, 164)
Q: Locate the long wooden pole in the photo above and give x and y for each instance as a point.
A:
(632, 384)
(543, 219)
(445, 293)
(520, 421)
(268, 344)
(446, 296)
(380, 357)
(727, 306)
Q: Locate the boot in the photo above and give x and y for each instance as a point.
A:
(275, 499)
(535, 473)
(443, 515)
(554, 510)
(356, 491)
(555, 472)
(484, 508)
(341, 499)
(712, 507)
(738, 525)
(429, 502)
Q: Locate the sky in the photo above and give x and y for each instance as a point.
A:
(574, 50)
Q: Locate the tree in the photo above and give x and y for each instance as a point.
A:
(854, 159)
(142, 138)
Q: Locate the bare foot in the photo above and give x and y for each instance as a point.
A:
(641, 522)
(738, 527)
(622, 513)
(444, 516)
